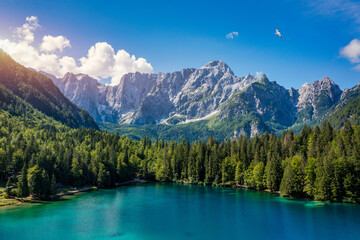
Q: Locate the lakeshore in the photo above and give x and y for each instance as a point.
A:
(62, 192)
(9, 202)
(73, 191)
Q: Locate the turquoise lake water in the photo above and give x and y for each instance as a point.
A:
(175, 211)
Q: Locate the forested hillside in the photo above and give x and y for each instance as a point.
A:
(319, 163)
(350, 112)
(40, 92)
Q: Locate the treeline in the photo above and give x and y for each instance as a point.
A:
(34, 159)
(320, 163)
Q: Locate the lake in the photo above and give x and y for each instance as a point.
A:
(175, 211)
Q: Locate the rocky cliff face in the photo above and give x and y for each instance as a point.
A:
(316, 98)
(154, 98)
(244, 104)
(266, 99)
(347, 96)
(207, 88)
(87, 93)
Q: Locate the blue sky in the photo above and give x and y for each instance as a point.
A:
(172, 35)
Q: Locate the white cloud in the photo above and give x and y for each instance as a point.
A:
(68, 64)
(124, 63)
(100, 62)
(51, 43)
(232, 35)
(348, 10)
(345, 9)
(26, 31)
(357, 67)
(351, 51)
(28, 56)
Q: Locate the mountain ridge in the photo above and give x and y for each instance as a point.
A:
(40, 92)
(130, 99)
(212, 94)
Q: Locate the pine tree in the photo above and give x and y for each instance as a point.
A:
(239, 173)
(324, 175)
(310, 177)
(23, 188)
(292, 183)
(103, 179)
(39, 182)
(273, 173)
(45, 185)
(53, 187)
(259, 176)
(249, 176)
(8, 187)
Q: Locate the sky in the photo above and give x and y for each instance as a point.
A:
(107, 39)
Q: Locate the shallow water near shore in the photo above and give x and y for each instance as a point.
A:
(175, 211)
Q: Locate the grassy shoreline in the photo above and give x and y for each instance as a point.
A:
(10, 202)
(67, 191)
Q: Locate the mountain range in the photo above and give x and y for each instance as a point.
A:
(191, 104)
(210, 99)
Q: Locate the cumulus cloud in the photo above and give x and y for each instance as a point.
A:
(51, 44)
(232, 35)
(124, 63)
(101, 61)
(68, 64)
(29, 56)
(26, 31)
(352, 52)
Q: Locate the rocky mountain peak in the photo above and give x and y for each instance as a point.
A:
(79, 79)
(294, 94)
(249, 76)
(69, 75)
(327, 79)
(215, 63)
(218, 65)
(264, 79)
(81, 76)
(324, 83)
(319, 95)
(77, 76)
(248, 79)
